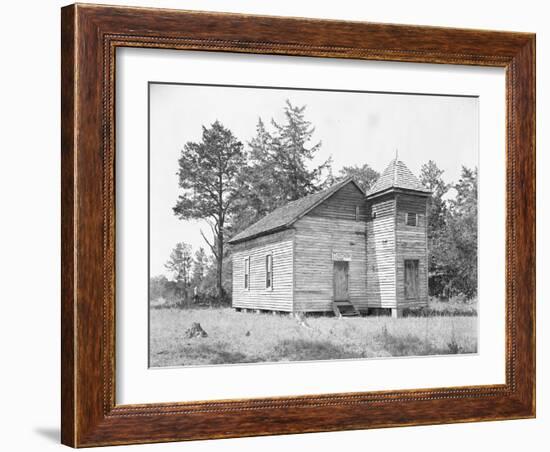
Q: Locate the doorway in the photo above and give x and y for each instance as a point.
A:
(341, 281)
(411, 279)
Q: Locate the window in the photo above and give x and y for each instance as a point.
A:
(373, 214)
(269, 271)
(411, 219)
(356, 213)
(247, 273)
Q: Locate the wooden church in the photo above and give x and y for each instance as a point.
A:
(338, 250)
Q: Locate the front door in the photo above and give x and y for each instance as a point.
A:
(411, 279)
(341, 281)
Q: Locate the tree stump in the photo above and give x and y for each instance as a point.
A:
(195, 330)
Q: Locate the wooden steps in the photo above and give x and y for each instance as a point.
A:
(344, 309)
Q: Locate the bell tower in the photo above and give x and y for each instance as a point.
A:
(397, 240)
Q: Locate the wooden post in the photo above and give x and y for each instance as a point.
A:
(396, 313)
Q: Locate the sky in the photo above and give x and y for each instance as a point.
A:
(354, 128)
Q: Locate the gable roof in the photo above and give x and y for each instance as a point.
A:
(286, 215)
(397, 175)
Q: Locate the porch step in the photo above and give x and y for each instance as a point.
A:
(344, 309)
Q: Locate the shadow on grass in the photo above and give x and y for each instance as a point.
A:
(385, 344)
(411, 345)
(217, 354)
(307, 350)
(286, 350)
(408, 345)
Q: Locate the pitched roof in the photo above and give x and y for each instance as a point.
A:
(397, 175)
(286, 215)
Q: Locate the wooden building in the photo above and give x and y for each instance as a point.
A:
(397, 240)
(338, 250)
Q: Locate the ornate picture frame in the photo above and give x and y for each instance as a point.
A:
(90, 36)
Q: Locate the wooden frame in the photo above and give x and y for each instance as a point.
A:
(90, 35)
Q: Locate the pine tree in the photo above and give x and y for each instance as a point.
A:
(293, 155)
(209, 176)
(263, 194)
(279, 167)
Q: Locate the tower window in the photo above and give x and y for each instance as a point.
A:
(411, 219)
(356, 213)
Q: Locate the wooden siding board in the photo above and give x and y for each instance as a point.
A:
(280, 246)
(316, 238)
(380, 241)
(342, 204)
(411, 243)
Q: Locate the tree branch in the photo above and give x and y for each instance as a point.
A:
(209, 245)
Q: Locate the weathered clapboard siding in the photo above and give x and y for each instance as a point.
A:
(280, 298)
(287, 234)
(315, 239)
(343, 204)
(381, 276)
(369, 232)
(411, 243)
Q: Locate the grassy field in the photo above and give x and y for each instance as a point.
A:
(235, 337)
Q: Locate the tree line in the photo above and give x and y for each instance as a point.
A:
(452, 233)
(193, 278)
(230, 185)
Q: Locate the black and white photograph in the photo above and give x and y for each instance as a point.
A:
(275, 226)
(294, 224)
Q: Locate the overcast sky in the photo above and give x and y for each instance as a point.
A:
(354, 128)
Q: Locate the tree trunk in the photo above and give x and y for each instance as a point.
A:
(219, 268)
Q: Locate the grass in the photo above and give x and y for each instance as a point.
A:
(449, 308)
(235, 337)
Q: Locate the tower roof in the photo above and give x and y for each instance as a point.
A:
(397, 176)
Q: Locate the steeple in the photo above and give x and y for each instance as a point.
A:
(397, 176)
